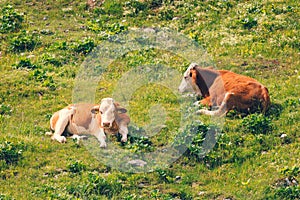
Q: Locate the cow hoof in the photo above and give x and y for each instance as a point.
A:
(48, 133)
(199, 112)
(103, 145)
(197, 103)
(59, 138)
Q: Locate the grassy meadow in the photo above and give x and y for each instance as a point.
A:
(42, 47)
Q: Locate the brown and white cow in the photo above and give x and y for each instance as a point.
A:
(97, 120)
(225, 90)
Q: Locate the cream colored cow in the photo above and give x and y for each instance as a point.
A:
(97, 120)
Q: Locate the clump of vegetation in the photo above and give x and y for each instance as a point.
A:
(40, 75)
(5, 109)
(106, 29)
(10, 20)
(24, 41)
(85, 46)
(48, 59)
(95, 186)
(76, 166)
(5, 197)
(11, 153)
(285, 188)
(165, 176)
(191, 139)
(257, 123)
(137, 141)
(25, 63)
(249, 22)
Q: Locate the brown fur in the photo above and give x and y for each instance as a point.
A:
(244, 93)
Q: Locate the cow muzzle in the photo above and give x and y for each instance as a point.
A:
(106, 124)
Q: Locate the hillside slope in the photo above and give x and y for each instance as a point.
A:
(43, 46)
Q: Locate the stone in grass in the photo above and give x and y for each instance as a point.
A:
(137, 162)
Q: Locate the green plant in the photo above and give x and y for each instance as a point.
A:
(5, 197)
(113, 8)
(24, 42)
(136, 7)
(10, 20)
(137, 142)
(85, 46)
(105, 28)
(52, 60)
(167, 15)
(40, 75)
(287, 193)
(11, 153)
(95, 186)
(5, 109)
(249, 22)
(191, 139)
(76, 166)
(25, 63)
(256, 123)
(165, 176)
(294, 171)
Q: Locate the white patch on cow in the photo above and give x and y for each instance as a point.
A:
(186, 83)
(107, 110)
(61, 123)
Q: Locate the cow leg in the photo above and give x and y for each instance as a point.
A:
(62, 121)
(227, 104)
(100, 135)
(123, 130)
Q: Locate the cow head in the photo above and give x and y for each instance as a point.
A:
(108, 110)
(186, 84)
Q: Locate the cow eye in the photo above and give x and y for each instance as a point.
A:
(185, 77)
(101, 112)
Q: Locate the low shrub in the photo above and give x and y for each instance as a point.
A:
(249, 22)
(11, 153)
(256, 123)
(95, 186)
(5, 197)
(76, 166)
(105, 28)
(25, 63)
(285, 188)
(84, 46)
(165, 176)
(5, 109)
(48, 59)
(10, 20)
(40, 75)
(24, 41)
(191, 139)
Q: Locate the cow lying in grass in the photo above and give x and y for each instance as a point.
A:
(225, 90)
(78, 119)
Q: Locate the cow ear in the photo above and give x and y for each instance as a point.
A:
(121, 110)
(95, 109)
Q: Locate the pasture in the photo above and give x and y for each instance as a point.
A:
(44, 45)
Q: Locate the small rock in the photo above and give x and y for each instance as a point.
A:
(283, 136)
(149, 30)
(137, 162)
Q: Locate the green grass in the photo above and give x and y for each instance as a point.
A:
(42, 53)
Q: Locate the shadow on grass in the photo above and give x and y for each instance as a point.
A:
(274, 110)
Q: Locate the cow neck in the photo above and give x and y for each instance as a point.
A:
(201, 83)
